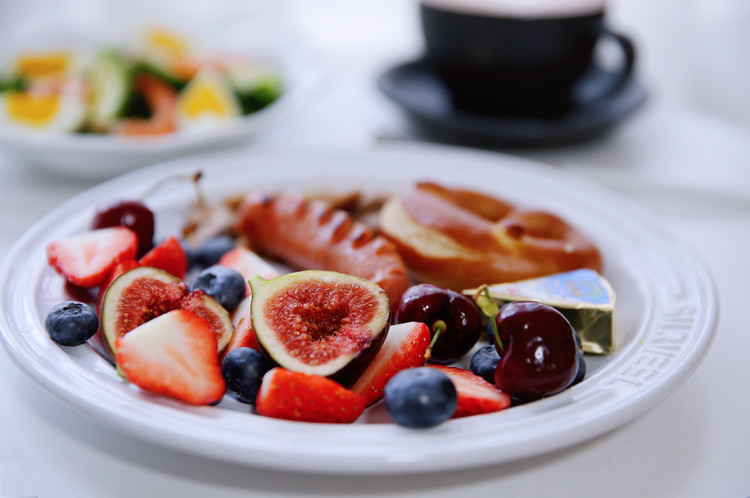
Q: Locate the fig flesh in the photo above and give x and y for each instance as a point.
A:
(320, 322)
(144, 293)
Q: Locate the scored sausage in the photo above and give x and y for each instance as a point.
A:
(311, 235)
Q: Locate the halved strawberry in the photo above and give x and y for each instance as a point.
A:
(169, 256)
(290, 395)
(404, 347)
(475, 395)
(86, 259)
(243, 328)
(247, 263)
(174, 355)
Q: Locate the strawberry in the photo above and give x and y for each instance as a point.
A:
(247, 263)
(174, 354)
(120, 268)
(404, 347)
(169, 256)
(475, 395)
(243, 328)
(87, 259)
(291, 395)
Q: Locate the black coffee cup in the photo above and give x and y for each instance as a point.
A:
(495, 60)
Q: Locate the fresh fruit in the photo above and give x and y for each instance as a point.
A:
(475, 395)
(243, 369)
(538, 350)
(404, 347)
(420, 397)
(247, 263)
(484, 362)
(71, 323)
(211, 250)
(223, 284)
(169, 256)
(242, 321)
(132, 214)
(208, 308)
(320, 322)
(581, 371)
(144, 293)
(86, 259)
(137, 296)
(453, 319)
(119, 269)
(174, 355)
(291, 395)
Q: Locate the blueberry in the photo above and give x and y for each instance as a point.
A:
(223, 284)
(210, 252)
(420, 397)
(243, 369)
(71, 323)
(581, 373)
(484, 363)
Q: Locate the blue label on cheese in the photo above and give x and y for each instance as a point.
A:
(578, 286)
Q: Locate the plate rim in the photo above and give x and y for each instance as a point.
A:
(368, 462)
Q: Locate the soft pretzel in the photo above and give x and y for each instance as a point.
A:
(462, 239)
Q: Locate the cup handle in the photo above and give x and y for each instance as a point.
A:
(603, 83)
(628, 51)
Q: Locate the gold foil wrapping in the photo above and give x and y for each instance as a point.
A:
(585, 298)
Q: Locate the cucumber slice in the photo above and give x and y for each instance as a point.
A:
(111, 82)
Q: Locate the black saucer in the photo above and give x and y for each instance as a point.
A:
(421, 93)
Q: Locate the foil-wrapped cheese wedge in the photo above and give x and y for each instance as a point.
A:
(583, 296)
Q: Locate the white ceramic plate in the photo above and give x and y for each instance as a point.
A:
(665, 319)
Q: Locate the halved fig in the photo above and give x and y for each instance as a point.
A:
(320, 322)
(208, 308)
(135, 297)
(144, 293)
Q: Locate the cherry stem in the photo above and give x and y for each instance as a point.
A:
(437, 328)
(191, 177)
(490, 309)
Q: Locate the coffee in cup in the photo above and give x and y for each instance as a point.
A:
(517, 57)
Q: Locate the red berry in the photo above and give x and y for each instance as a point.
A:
(131, 214)
(442, 309)
(87, 259)
(291, 395)
(539, 354)
(174, 355)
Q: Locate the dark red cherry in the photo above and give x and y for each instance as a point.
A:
(454, 316)
(132, 214)
(539, 353)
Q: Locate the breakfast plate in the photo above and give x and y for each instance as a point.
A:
(664, 321)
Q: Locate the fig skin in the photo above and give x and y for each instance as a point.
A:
(344, 368)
